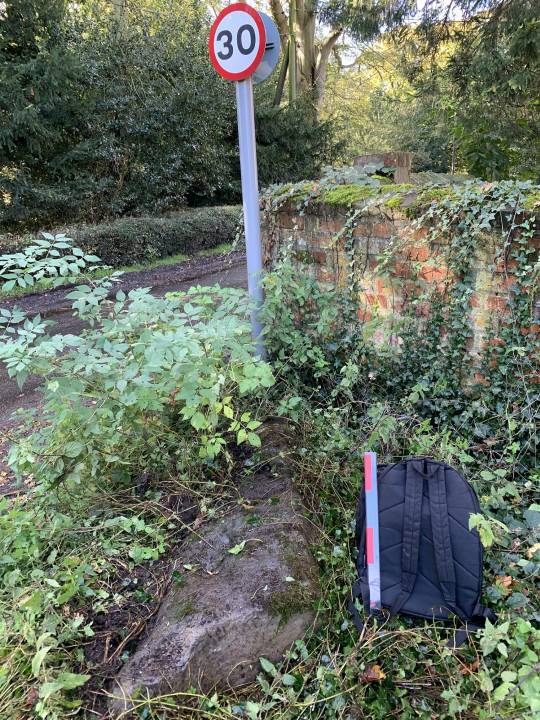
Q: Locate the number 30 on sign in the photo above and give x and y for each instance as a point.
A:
(237, 41)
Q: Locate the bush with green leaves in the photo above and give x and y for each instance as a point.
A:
(51, 260)
(136, 240)
(129, 241)
(102, 118)
(149, 382)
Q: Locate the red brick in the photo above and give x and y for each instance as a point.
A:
(291, 222)
(420, 235)
(382, 230)
(362, 230)
(319, 257)
(473, 300)
(495, 302)
(432, 274)
(382, 300)
(325, 275)
(364, 315)
(333, 226)
(403, 270)
(369, 298)
(420, 253)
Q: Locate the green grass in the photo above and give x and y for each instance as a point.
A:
(221, 249)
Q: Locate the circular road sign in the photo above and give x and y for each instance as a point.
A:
(237, 41)
(271, 52)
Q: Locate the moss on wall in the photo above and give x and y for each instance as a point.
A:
(427, 196)
(346, 194)
(532, 201)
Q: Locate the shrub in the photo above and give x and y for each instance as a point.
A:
(132, 240)
(98, 123)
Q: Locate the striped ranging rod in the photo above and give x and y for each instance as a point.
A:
(372, 531)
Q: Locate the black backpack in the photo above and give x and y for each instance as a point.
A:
(430, 562)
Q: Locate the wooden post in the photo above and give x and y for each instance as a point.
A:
(282, 76)
(292, 51)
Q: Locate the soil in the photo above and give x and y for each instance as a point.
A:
(138, 594)
(54, 301)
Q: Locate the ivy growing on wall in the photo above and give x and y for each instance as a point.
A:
(488, 394)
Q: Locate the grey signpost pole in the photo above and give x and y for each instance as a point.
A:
(244, 47)
(250, 199)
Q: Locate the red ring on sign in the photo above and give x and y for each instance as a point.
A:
(242, 7)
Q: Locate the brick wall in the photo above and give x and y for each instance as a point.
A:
(322, 250)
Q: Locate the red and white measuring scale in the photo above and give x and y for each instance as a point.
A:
(372, 531)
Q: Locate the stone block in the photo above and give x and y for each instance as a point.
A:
(251, 594)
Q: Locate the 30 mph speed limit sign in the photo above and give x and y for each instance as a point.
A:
(237, 41)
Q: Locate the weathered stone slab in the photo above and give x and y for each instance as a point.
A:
(233, 607)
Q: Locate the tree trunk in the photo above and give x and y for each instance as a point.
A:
(312, 56)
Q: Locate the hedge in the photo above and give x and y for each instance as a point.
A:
(136, 240)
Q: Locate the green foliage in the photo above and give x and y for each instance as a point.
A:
(300, 322)
(101, 120)
(290, 146)
(487, 77)
(44, 263)
(142, 240)
(159, 379)
(40, 111)
(135, 240)
(57, 559)
(378, 108)
(364, 22)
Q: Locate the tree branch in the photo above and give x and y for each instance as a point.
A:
(326, 47)
(324, 50)
(282, 22)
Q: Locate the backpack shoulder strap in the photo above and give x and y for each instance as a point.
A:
(442, 541)
(412, 517)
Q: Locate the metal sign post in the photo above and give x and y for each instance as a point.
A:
(250, 199)
(244, 45)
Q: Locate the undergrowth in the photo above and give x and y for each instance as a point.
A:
(346, 386)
